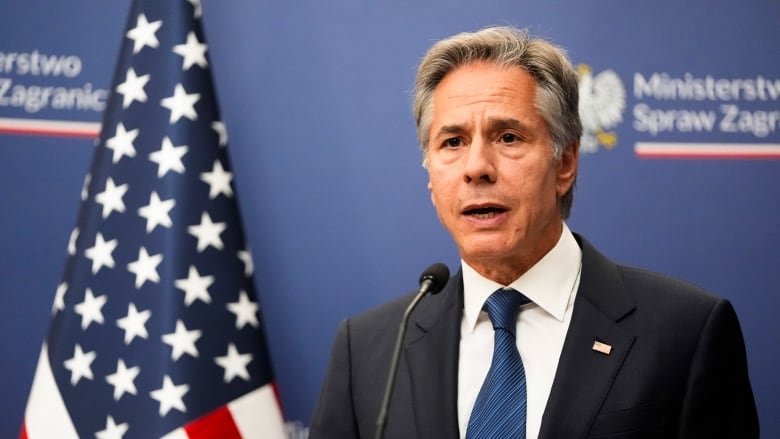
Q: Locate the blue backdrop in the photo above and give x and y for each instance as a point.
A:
(316, 98)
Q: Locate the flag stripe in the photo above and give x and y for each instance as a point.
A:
(262, 400)
(46, 415)
(218, 423)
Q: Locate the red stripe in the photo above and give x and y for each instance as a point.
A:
(710, 155)
(23, 434)
(50, 132)
(218, 423)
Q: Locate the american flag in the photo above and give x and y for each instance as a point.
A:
(156, 328)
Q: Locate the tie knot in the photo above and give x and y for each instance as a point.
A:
(502, 307)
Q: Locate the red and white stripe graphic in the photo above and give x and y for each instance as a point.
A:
(707, 150)
(42, 127)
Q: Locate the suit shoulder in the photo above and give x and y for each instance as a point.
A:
(381, 317)
(662, 288)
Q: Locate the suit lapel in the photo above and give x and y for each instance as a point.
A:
(431, 354)
(585, 374)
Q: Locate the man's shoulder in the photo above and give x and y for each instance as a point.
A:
(642, 284)
(385, 313)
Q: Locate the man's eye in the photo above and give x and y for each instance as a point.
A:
(455, 141)
(509, 138)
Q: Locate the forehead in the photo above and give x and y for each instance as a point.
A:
(485, 88)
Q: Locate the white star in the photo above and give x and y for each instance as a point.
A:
(181, 104)
(196, 4)
(59, 298)
(133, 88)
(80, 365)
(207, 232)
(90, 309)
(156, 212)
(170, 396)
(85, 186)
(193, 51)
(145, 267)
(218, 180)
(168, 158)
(100, 253)
(245, 311)
(134, 323)
(74, 235)
(234, 364)
(221, 131)
(122, 379)
(112, 430)
(195, 286)
(122, 143)
(111, 198)
(246, 258)
(143, 33)
(182, 341)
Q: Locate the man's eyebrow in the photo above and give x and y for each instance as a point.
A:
(450, 129)
(500, 124)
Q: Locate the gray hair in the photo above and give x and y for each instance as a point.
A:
(556, 82)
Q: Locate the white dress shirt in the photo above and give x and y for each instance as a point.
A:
(551, 285)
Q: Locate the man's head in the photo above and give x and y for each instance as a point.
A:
(498, 123)
(557, 94)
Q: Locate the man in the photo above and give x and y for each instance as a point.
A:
(605, 350)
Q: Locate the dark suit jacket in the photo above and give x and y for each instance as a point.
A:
(677, 366)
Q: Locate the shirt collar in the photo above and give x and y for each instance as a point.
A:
(548, 284)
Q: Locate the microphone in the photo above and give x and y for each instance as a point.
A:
(432, 280)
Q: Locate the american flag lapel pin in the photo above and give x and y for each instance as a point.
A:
(602, 347)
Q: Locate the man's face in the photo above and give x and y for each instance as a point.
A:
(493, 179)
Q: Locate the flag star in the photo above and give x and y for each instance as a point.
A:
(145, 267)
(85, 186)
(246, 257)
(112, 431)
(59, 298)
(234, 364)
(168, 158)
(133, 88)
(122, 379)
(111, 198)
(245, 311)
(193, 51)
(74, 235)
(156, 212)
(143, 34)
(80, 365)
(100, 253)
(196, 4)
(134, 323)
(181, 104)
(218, 180)
(122, 142)
(91, 309)
(195, 286)
(170, 396)
(207, 233)
(221, 131)
(182, 341)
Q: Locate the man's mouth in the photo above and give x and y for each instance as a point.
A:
(486, 212)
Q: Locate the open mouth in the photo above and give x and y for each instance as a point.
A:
(484, 212)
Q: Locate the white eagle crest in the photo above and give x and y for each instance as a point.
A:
(602, 101)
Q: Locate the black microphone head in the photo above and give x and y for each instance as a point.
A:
(437, 275)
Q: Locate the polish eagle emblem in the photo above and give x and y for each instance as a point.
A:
(602, 101)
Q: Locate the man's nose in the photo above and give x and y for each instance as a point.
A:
(480, 163)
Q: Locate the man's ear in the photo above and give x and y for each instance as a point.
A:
(567, 167)
(430, 188)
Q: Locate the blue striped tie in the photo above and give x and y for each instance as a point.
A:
(499, 411)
